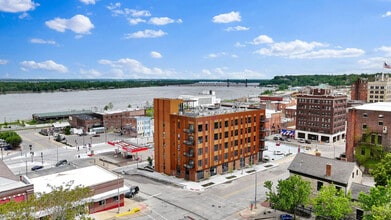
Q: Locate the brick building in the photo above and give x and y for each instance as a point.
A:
(195, 143)
(116, 120)
(84, 122)
(372, 119)
(380, 89)
(321, 115)
(12, 187)
(359, 90)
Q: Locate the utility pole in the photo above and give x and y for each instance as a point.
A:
(255, 200)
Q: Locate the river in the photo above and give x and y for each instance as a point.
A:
(21, 106)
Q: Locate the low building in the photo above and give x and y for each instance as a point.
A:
(107, 187)
(320, 171)
(369, 124)
(12, 187)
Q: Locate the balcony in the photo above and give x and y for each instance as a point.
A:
(190, 165)
(188, 130)
(189, 142)
(190, 153)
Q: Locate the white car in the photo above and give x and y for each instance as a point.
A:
(301, 140)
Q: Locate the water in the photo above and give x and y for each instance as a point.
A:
(21, 106)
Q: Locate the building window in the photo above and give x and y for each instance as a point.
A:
(381, 123)
(199, 163)
(365, 115)
(115, 198)
(379, 139)
(362, 152)
(319, 185)
(216, 125)
(364, 126)
(216, 147)
(200, 127)
(102, 202)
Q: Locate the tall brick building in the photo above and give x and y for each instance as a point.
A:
(372, 120)
(195, 143)
(321, 115)
(359, 90)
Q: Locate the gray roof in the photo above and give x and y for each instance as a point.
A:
(357, 188)
(376, 106)
(315, 167)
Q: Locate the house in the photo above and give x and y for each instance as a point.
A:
(321, 170)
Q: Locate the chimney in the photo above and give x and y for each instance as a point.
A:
(328, 169)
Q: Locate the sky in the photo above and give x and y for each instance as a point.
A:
(192, 39)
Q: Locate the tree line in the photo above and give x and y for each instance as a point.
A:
(36, 86)
(21, 86)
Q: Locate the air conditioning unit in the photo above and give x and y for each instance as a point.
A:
(384, 129)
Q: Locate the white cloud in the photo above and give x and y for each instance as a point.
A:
(91, 73)
(298, 49)
(135, 21)
(262, 39)
(127, 67)
(387, 14)
(238, 44)
(3, 62)
(385, 49)
(79, 24)
(289, 49)
(17, 6)
(116, 10)
(163, 21)
(41, 41)
(45, 65)
(215, 55)
(237, 28)
(329, 53)
(156, 55)
(146, 34)
(372, 64)
(87, 2)
(227, 18)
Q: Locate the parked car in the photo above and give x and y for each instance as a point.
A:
(36, 167)
(61, 162)
(133, 190)
(275, 138)
(286, 217)
(301, 140)
(307, 141)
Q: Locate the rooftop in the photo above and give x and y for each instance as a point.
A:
(315, 166)
(376, 106)
(86, 176)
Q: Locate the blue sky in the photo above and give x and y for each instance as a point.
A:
(192, 39)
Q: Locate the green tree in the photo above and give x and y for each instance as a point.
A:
(62, 203)
(11, 137)
(382, 172)
(376, 204)
(332, 203)
(150, 160)
(289, 194)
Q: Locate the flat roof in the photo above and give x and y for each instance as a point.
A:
(376, 106)
(86, 176)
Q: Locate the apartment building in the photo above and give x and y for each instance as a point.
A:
(321, 115)
(195, 143)
(368, 123)
(380, 89)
